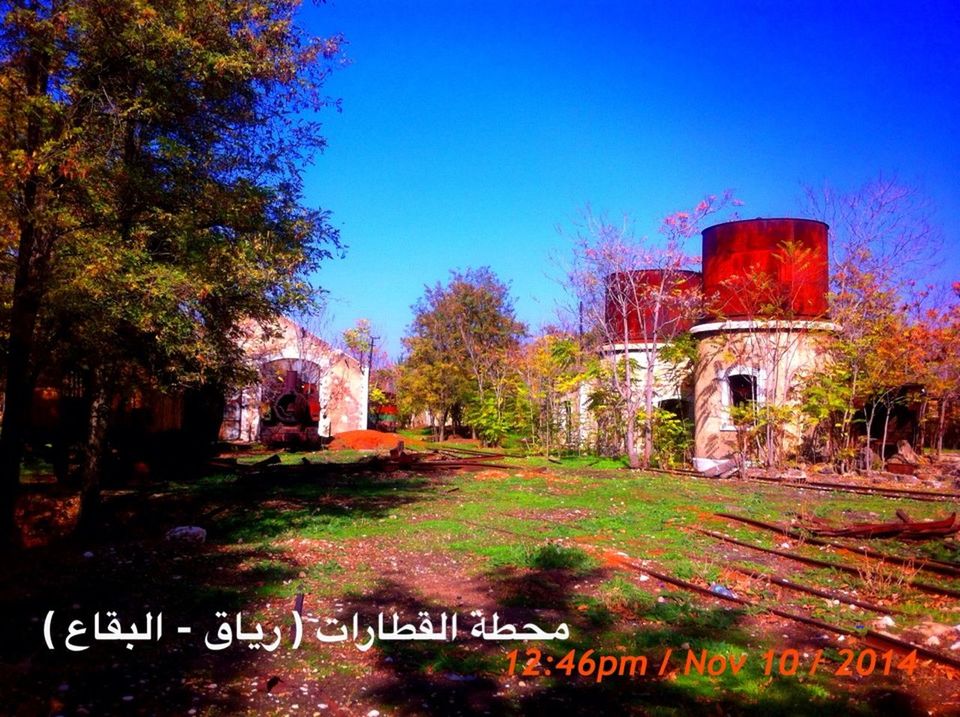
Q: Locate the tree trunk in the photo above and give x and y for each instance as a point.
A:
(646, 459)
(743, 441)
(883, 441)
(32, 255)
(847, 424)
(92, 466)
(632, 458)
(867, 452)
(921, 439)
(18, 389)
(648, 410)
(941, 426)
(771, 439)
(549, 429)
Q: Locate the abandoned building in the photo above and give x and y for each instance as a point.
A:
(765, 282)
(760, 325)
(307, 390)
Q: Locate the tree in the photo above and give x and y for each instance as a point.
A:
(151, 166)
(360, 342)
(882, 235)
(547, 368)
(636, 297)
(458, 347)
(935, 349)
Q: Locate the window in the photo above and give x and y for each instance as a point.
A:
(743, 389)
(739, 386)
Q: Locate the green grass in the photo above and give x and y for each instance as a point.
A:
(531, 542)
(557, 557)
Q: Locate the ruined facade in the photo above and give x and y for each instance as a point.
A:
(306, 388)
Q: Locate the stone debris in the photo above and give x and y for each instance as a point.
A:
(186, 534)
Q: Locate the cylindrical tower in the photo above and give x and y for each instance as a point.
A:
(632, 296)
(766, 268)
(764, 328)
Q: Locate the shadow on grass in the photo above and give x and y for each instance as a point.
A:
(466, 677)
(131, 570)
(259, 507)
(128, 568)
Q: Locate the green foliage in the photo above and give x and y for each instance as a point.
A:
(459, 348)
(557, 557)
(489, 420)
(756, 425)
(359, 341)
(548, 375)
(151, 159)
(672, 439)
(681, 350)
(377, 396)
(605, 402)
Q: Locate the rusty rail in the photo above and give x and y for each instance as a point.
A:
(829, 594)
(931, 566)
(916, 584)
(881, 637)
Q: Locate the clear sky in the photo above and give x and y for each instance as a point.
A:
(471, 130)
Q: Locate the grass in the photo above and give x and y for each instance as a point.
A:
(529, 545)
(557, 557)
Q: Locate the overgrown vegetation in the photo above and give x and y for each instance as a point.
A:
(530, 546)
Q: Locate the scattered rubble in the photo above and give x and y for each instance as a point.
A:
(186, 534)
(906, 454)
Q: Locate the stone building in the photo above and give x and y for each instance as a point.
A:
(762, 325)
(306, 389)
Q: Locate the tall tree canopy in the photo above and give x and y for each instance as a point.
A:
(882, 236)
(458, 347)
(150, 167)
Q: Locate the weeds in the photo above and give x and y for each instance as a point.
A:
(553, 556)
(882, 580)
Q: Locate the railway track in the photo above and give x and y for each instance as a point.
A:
(930, 565)
(816, 562)
(926, 496)
(871, 636)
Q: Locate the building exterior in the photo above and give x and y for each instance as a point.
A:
(764, 325)
(650, 307)
(758, 314)
(306, 389)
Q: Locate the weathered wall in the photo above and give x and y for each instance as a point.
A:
(341, 381)
(779, 354)
(670, 383)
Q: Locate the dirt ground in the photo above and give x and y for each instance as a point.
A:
(533, 546)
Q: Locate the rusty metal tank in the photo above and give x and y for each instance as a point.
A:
(632, 287)
(766, 268)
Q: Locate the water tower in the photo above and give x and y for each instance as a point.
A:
(764, 323)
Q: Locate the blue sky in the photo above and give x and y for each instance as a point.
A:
(471, 130)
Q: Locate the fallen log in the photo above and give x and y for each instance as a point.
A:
(901, 528)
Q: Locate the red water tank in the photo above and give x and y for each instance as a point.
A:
(766, 268)
(633, 295)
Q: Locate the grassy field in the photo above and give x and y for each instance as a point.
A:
(534, 542)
